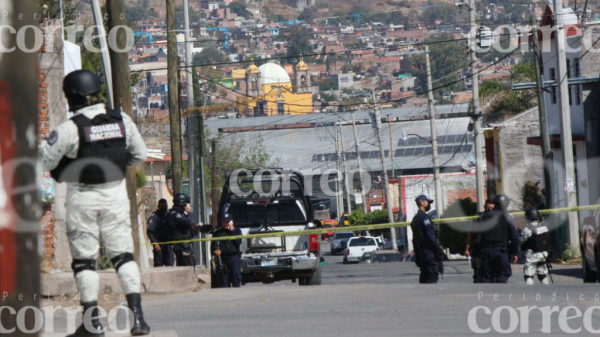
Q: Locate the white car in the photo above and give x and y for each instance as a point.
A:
(358, 246)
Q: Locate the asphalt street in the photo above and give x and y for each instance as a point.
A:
(383, 299)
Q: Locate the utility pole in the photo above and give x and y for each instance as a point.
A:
(213, 190)
(338, 179)
(388, 198)
(359, 161)
(104, 56)
(175, 120)
(202, 194)
(121, 83)
(566, 131)
(193, 179)
(434, 144)
(188, 56)
(391, 144)
(546, 151)
(346, 186)
(477, 114)
(21, 208)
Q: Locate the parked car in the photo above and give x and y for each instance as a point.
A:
(590, 248)
(358, 246)
(382, 257)
(327, 235)
(339, 242)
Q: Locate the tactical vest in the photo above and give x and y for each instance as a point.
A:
(102, 154)
(497, 235)
(228, 248)
(539, 240)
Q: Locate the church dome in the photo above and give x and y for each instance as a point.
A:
(252, 69)
(301, 66)
(272, 73)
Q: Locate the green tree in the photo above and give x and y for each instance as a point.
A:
(503, 100)
(298, 41)
(531, 195)
(209, 55)
(50, 9)
(454, 235)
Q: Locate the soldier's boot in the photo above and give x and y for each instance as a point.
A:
(544, 279)
(90, 325)
(140, 327)
(529, 280)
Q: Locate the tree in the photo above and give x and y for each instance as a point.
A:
(531, 195)
(209, 55)
(454, 235)
(50, 9)
(503, 100)
(241, 9)
(298, 41)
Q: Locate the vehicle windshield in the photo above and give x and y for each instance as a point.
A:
(362, 242)
(344, 235)
(279, 201)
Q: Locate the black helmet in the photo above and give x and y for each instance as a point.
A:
(181, 199)
(81, 83)
(533, 214)
(502, 201)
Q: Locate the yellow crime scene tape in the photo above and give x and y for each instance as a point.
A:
(368, 227)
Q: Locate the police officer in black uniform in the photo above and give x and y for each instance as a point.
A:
(497, 230)
(473, 248)
(230, 253)
(183, 228)
(159, 231)
(427, 248)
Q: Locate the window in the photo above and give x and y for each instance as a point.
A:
(577, 71)
(280, 108)
(568, 68)
(253, 84)
(578, 94)
(570, 96)
(344, 79)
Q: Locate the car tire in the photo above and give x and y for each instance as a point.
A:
(314, 280)
(589, 276)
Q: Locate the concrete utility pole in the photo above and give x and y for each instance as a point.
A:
(545, 134)
(346, 185)
(104, 56)
(21, 209)
(439, 202)
(566, 131)
(477, 114)
(213, 182)
(339, 190)
(202, 192)
(389, 121)
(175, 119)
(388, 197)
(193, 179)
(188, 57)
(121, 82)
(359, 161)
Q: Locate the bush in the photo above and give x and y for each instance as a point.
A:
(570, 253)
(377, 217)
(454, 236)
(140, 179)
(357, 218)
(531, 195)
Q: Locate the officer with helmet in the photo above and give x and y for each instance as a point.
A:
(91, 152)
(496, 231)
(535, 242)
(182, 228)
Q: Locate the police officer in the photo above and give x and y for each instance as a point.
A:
(497, 230)
(473, 249)
(182, 228)
(535, 242)
(159, 231)
(427, 248)
(90, 152)
(230, 253)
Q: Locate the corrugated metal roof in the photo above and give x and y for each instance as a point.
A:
(305, 148)
(324, 118)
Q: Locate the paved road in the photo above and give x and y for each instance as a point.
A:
(382, 299)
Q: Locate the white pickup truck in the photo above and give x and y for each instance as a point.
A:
(285, 208)
(358, 246)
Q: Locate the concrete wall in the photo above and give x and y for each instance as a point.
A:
(520, 162)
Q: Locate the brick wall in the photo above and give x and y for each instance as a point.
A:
(454, 195)
(48, 219)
